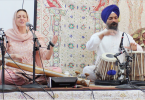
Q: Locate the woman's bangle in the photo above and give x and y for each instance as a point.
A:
(50, 43)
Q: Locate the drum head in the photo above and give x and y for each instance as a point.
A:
(109, 57)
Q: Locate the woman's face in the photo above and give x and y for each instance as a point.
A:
(21, 19)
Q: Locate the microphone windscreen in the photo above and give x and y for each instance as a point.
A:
(1, 29)
(28, 24)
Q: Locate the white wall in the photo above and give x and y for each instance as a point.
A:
(8, 7)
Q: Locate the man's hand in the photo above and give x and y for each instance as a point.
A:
(107, 33)
(110, 32)
(133, 46)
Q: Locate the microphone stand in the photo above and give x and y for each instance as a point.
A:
(35, 48)
(4, 87)
(126, 65)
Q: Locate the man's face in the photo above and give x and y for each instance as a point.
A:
(112, 22)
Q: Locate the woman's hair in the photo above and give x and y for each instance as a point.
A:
(22, 10)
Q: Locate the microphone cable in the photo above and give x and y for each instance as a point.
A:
(129, 42)
(45, 74)
(13, 80)
(92, 93)
(21, 68)
(16, 84)
(22, 4)
(50, 87)
(132, 85)
(22, 92)
(25, 73)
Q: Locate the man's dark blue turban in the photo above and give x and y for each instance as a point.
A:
(108, 10)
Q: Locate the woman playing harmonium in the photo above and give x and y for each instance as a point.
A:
(20, 47)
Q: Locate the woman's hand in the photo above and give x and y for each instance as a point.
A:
(54, 39)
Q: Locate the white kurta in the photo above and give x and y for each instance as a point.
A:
(109, 44)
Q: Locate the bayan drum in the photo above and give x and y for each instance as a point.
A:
(107, 67)
(137, 66)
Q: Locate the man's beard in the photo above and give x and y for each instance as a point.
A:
(113, 26)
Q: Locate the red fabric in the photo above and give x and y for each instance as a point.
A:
(52, 5)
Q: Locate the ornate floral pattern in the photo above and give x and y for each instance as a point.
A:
(71, 45)
(71, 65)
(83, 8)
(82, 65)
(83, 46)
(83, 27)
(71, 26)
(71, 6)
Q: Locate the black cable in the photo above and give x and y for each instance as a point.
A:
(3, 94)
(22, 4)
(129, 81)
(129, 42)
(44, 89)
(4, 48)
(45, 75)
(2, 91)
(53, 97)
(17, 64)
(21, 69)
(18, 87)
(1, 68)
(25, 73)
(92, 93)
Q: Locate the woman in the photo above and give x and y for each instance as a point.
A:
(20, 47)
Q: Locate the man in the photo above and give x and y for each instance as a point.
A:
(108, 40)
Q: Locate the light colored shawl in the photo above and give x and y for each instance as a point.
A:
(14, 34)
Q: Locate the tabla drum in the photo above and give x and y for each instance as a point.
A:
(107, 63)
(137, 66)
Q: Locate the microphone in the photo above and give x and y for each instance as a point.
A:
(29, 25)
(117, 54)
(2, 34)
(5, 39)
(121, 43)
(34, 36)
(1, 29)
